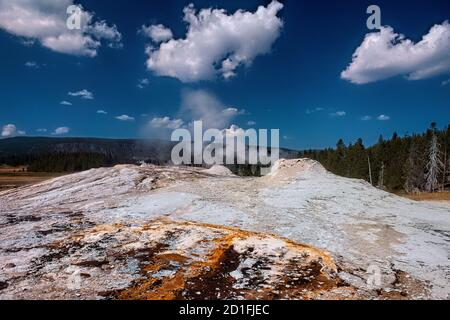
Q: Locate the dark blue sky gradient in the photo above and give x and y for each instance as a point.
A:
(302, 72)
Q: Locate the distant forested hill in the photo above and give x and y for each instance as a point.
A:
(42, 154)
(76, 154)
(396, 163)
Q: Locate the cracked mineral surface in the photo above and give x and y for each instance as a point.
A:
(148, 232)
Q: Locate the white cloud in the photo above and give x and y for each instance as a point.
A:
(386, 54)
(158, 33)
(10, 130)
(383, 117)
(166, 123)
(230, 112)
(338, 114)
(61, 131)
(216, 43)
(102, 112)
(65, 103)
(41, 130)
(125, 117)
(314, 110)
(446, 82)
(83, 94)
(32, 64)
(366, 118)
(142, 83)
(204, 106)
(251, 123)
(331, 111)
(101, 30)
(27, 42)
(45, 21)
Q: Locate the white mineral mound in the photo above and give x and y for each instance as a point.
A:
(218, 170)
(285, 170)
(294, 166)
(360, 226)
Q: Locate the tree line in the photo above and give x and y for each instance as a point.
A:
(59, 161)
(418, 162)
(414, 163)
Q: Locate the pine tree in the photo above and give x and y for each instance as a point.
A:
(434, 165)
(414, 169)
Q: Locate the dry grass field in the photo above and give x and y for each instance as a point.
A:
(14, 177)
(425, 196)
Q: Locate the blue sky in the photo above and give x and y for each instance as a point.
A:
(286, 75)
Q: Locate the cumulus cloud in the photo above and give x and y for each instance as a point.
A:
(446, 82)
(125, 117)
(383, 117)
(10, 130)
(142, 83)
(41, 130)
(251, 123)
(233, 112)
(158, 33)
(338, 114)
(314, 110)
(216, 43)
(61, 131)
(366, 118)
(32, 64)
(102, 112)
(387, 54)
(330, 111)
(27, 42)
(45, 21)
(101, 30)
(83, 94)
(166, 123)
(65, 103)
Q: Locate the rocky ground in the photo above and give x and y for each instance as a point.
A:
(149, 232)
